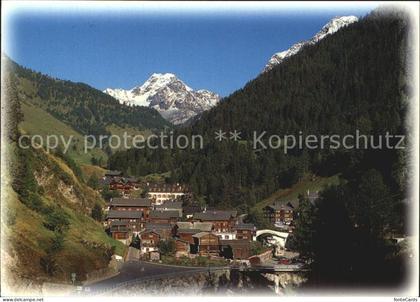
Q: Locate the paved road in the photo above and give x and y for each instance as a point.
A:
(132, 270)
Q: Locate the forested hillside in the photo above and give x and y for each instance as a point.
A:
(354, 79)
(85, 109)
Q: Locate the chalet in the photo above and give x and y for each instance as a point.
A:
(222, 221)
(119, 230)
(165, 217)
(123, 183)
(170, 206)
(235, 249)
(186, 230)
(281, 212)
(190, 209)
(131, 204)
(182, 248)
(245, 231)
(132, 182)
(206, 244)
(160, 192)
(149, 241)
(164, 230)
(133, 219)
(119, 185)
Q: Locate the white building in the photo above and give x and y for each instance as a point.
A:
(161, 192)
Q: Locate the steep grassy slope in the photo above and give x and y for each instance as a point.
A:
(46, 225)
(89, 170)
(39, 122)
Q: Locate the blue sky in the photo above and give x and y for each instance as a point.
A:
(219, 51)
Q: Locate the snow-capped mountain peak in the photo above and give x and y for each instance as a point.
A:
(331, 27)
(176, 101)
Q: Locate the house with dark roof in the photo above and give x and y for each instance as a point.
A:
(182, 248)
(160, 192)
(149, 240)
(131, 204)
(119, 230)
(165, 217)
(281, 212)
(115, 181)
(235, 249)
(194, 225)
(245, 231)
(170, 205)
(119, 185)
(186, 230)
(164, 230)
(121, 215)
(125, 184)
(133, 219)
(190, 209)
(222, 221)
(206, 244)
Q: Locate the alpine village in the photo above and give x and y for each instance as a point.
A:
(165, 216)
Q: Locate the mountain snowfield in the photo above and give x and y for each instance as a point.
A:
(171, 97)
(331, 27)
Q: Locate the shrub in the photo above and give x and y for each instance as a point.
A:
(257, 248)
(57, 221)
(108, 194)
(202, 261)
(33, 201)
(167, 247)
(97, 212)
(135, 242)
(93, 182)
